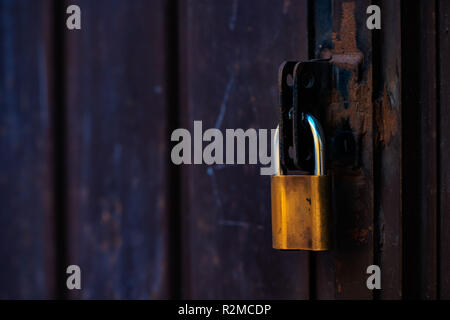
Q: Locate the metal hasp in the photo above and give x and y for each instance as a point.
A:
(300, 193)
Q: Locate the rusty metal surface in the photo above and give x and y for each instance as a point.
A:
(349, 129)
(388, 150)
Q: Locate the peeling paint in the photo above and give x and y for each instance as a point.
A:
(345, 40)
(386, 120)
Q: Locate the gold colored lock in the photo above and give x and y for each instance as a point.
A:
(301, 208)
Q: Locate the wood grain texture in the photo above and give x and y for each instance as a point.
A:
(388, 150)
(348, 125)
(230, 57)
(27, 252)
(117, 149)
(443, 11)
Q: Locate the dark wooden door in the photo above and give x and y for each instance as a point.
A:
(86, 176)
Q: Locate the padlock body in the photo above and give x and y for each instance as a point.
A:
(301, 212)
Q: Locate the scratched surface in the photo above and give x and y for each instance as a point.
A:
(26, 215)
(229, 71)
(117, 150)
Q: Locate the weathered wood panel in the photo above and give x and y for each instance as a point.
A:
(388, 150)
(443, 11)
(230, 59)
(117, 149)
(419, 149)
(27, 253)
(341, 273)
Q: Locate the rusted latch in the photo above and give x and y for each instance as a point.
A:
(301, 202)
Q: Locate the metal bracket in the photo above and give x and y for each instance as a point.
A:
(304, 87)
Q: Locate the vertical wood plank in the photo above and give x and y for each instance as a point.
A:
(443, 11)
(232, 51)
(341, 274)
(420, 149)
(117, 149)
(27, 252)
(388, 149)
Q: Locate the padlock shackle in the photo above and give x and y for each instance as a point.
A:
(319, 147)
(276, 152)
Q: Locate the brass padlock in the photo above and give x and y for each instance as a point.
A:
(301, 209)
